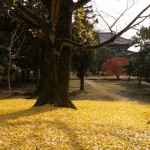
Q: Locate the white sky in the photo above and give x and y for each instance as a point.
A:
(116, 7)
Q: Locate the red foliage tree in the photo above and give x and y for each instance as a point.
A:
(115, 66)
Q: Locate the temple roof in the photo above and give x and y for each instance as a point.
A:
(104, 36)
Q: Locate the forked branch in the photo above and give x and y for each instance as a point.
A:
(113, 38)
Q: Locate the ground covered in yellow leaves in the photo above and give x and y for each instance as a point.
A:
(96, 125)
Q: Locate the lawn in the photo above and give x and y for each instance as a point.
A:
(96, 125)
(111, 89)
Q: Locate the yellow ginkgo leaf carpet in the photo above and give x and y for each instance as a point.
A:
(96, 125)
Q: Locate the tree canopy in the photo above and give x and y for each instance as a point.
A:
(115, 66)
(140, 61)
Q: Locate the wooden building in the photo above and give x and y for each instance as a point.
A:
(120, 45)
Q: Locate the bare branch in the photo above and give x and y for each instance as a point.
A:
(4, 47)
(127, 8)
(106, 22)
(19, 48)
(20, 54)
(144, 18)
(116, 19)
(118, 34)
(66, 42)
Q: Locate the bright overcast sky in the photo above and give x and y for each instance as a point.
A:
(116, 7)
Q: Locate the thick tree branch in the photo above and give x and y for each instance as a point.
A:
(55, 9)
(27, 15)
(72, 44)
(120, 33)
(80, 3)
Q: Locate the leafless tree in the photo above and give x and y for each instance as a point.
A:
(13, 46)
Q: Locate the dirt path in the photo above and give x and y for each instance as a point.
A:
(96, 86)
(112, 89)
(107, 90)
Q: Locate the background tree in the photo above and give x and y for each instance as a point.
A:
(115, 66)
(100, 56)
(129, 69)
(12, 43)
(142, 40)
(83, 32)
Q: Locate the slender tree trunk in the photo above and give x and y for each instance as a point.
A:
(102, 73)
(118, 77)
(128, 78)
(8, 73)
(141, 72)
(82, 82)
(140, 79)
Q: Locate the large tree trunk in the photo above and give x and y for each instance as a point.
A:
(56, 83)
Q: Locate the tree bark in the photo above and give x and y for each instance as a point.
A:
(9, 69)
(56, 84)
(82, 83)
(57, 67)
(128, 80)
(9, 80)
(140, 76)
(118, 77)
(41, 61)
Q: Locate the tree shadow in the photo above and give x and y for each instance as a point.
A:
(75, 93)
(32, 95)
(25, 113)
(135, 92)
(70, 133)
(59, 125)
(26, 95)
